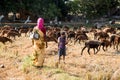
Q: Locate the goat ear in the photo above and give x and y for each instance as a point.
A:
(4, 43)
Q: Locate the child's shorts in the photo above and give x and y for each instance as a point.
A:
(62, 52)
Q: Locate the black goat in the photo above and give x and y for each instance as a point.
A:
(92, 44)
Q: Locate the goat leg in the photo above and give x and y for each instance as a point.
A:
(79, 41)
(89, 51)
(94, 50)
(75, 41)
(117, 47)
(97, 50)
(106, 48)
(83, 50)
(103, 48)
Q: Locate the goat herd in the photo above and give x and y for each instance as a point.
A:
(106, 36)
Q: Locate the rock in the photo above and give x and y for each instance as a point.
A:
(2, 66)
(116, 75)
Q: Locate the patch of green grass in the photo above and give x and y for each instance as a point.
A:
(59, 74)
(65, 76)
(52, 70)
(27, 63)
(100, 75)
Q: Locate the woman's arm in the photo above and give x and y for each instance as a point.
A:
(46, 41)
(32, 42)
(58, 41)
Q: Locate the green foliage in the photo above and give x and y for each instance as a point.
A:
(59, 74)
(51, 8)
(51, 12)
(65, 76)
(93, 8)
(74, 7)
(45, 8)
(27, 63)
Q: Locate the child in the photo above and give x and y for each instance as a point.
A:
(61, 46)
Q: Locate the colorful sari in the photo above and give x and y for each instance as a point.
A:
(39, 45)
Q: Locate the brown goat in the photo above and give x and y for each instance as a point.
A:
(48, 39)
(115, 40)
(81, 37)
(101, 35)
(105, 43)
(13, 34)
(23, 31)
(5, 39)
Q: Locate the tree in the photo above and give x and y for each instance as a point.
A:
(93, 8)
(51, 12)
(60, 8)
(74, 7)
(40, 8)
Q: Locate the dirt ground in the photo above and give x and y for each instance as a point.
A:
(15, 63)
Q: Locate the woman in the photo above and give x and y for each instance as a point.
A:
(39, 44)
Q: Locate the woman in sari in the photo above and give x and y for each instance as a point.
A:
(39, 44)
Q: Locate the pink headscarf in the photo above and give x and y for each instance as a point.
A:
(40, 25)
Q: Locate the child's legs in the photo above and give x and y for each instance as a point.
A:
(59, 58)
(59, 55)
(63, 58)
(64, 54)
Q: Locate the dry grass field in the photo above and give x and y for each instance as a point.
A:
(15, 63)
